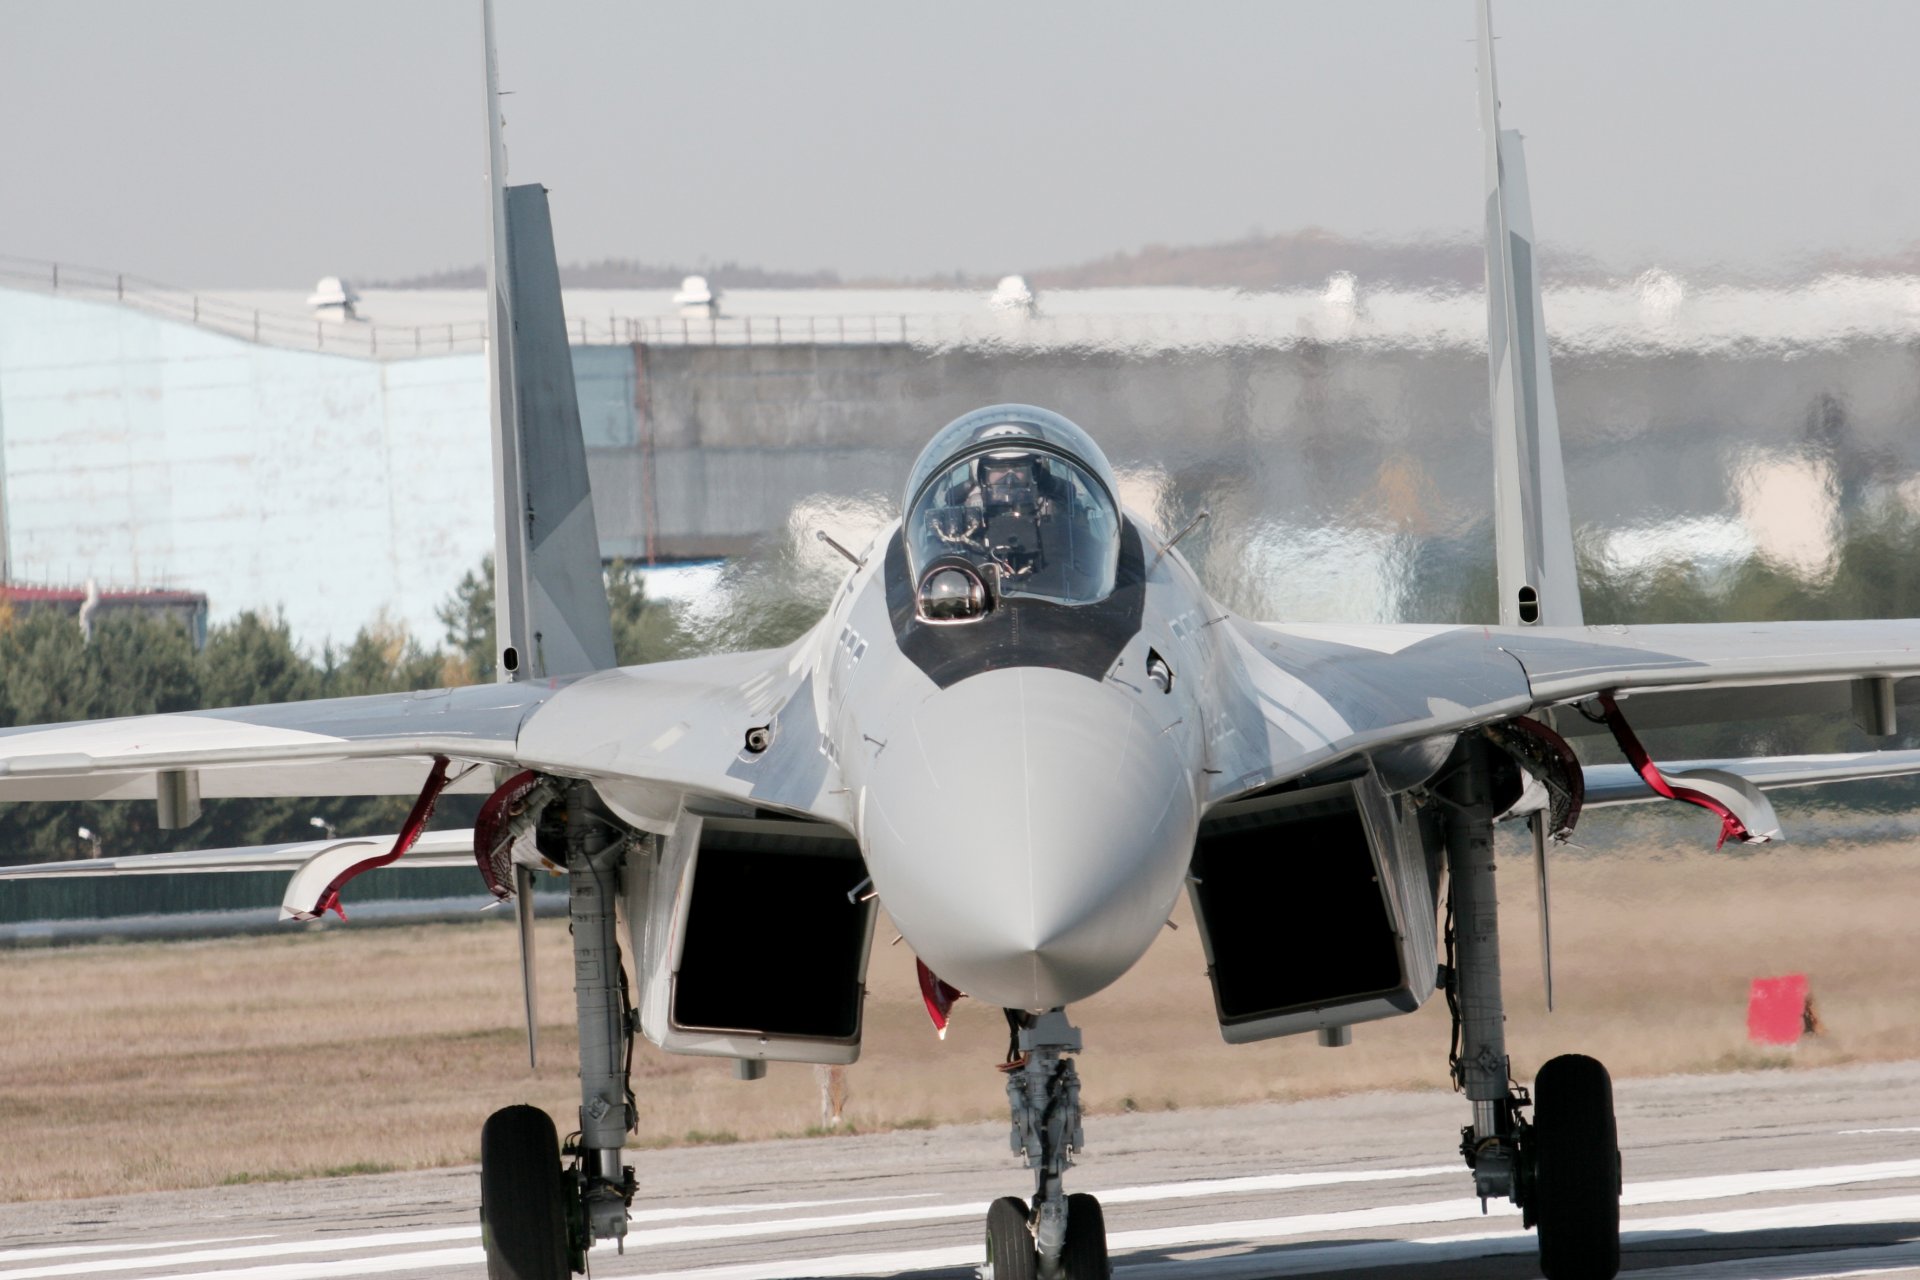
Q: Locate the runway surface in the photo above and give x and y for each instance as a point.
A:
(1779, 1174)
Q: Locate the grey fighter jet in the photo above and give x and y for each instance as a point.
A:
(1023, 726)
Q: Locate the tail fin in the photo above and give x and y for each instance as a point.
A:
(550, 597)
(1533, 534)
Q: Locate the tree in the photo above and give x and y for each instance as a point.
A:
(468, 617)
(135, 665)
(644, 630)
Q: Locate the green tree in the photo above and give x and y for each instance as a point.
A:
(467, 615)
(383, 658)
(250, 661)
(644, 630)
(135, 665)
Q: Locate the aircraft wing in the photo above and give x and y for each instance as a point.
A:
(434, 849)
(1401, 692)
(663, 732)
(1612, 784)
(378, 745)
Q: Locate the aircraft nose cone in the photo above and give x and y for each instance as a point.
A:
(1028, 830)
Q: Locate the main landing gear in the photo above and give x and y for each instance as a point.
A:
(1563, 1167)
(537, 1220)
(1058, 1236)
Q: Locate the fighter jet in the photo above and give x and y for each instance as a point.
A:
(1024, 727)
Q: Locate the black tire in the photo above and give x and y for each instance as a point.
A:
(1085, 1255)
(523, 1212)
(1576, 1170)
(1010, 1254)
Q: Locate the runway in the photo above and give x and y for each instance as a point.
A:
(1778, 1174)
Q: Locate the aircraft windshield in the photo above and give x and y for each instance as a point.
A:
(1029, 521)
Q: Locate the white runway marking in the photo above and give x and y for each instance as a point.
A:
(1270, 1182)
(281, 1259)
(1847, 1133)
(471, 1257)
(73, 1250)
(97, 1265)
(1723, 1186)
(1334, 1257)
(786, 1206)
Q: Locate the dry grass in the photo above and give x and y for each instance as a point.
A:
(134, 1067)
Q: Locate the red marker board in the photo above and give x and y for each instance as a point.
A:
(1774, 1009)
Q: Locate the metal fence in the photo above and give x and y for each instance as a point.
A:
(301, 333)
(749, 331)
(373, 340)
(395, 341)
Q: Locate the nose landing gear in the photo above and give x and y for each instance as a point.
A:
(1058, 1236)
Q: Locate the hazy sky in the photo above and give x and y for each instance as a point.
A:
(267, 142)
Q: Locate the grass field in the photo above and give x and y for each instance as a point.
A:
(154, 1065)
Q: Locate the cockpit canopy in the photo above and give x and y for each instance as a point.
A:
(1010, 501)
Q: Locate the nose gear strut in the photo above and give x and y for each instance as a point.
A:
(1061, 1237)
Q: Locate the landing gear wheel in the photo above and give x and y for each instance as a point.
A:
(523, 1216)
(1084, 1257)
(1576, 1170)
(1010, 1253)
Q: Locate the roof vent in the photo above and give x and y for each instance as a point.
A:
(697, 299)
(1014, 296)
(333, 299)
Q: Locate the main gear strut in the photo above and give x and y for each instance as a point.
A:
(1563, 1168)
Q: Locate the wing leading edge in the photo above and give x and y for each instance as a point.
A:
(1328, 693)
(649, 736)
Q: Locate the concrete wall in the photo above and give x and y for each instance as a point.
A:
(1327, 435)
(143, 452)
(1345, 478)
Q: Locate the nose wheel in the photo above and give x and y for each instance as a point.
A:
(1085, 1254)
(1010, 1249)
(1010, 1253)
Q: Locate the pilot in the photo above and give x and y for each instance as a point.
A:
(1021, 482)
(996, 509)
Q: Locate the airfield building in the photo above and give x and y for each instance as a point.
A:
(332, 461)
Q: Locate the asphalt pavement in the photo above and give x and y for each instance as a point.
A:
(1773, 1174)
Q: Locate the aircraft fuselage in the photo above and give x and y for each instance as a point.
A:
(1026, 787)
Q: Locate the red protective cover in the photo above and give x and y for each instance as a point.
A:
(938, 996)
(1730, 825)
(1776, 1009)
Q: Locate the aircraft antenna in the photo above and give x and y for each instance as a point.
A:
(509, 543)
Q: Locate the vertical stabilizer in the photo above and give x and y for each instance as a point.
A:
(550, 598)
(1533, 534)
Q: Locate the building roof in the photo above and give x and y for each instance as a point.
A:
(33, 593)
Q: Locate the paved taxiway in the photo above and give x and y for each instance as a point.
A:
(1772, 1174)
